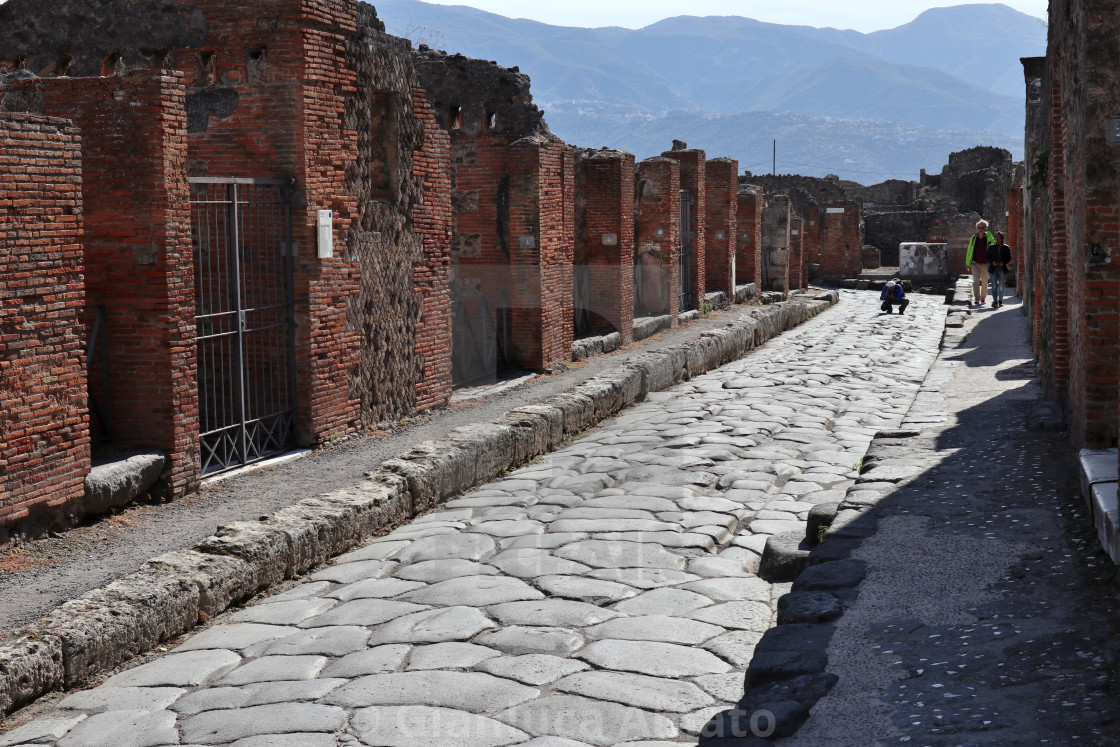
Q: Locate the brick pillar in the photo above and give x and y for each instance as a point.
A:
(694, 180)
(1058, 334)
(841, 238)
(775, 239)
(432, 275)
(657, 237)
(45, 449)
(721, 224)
(748, 250)
(139, 258)
(605, 240)
(1015, 230)
(797, 254)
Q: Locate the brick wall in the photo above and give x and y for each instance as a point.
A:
(657, 237)
(693, 176)
(139, 259)
(431, 276)
(720, 224)
(604, 250)
(748, 250)
(775, 239)
(45, 451)
(841, 238)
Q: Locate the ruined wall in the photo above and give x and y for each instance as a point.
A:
(657, 238)
(694, 180)
(45, 451)
(955, 230)
(884, 194)
(820, 189)
(776, 218)
(1035, 246)
(604, 249)
(1084, 55)
(138, 258)
(721, 199)
(977, 180)
(748, 250)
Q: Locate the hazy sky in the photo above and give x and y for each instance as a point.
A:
(862, 15)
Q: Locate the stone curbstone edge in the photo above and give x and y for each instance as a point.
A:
(174, 592)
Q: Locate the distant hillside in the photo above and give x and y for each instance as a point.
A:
(951, 69)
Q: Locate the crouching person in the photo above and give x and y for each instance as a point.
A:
(894, 295)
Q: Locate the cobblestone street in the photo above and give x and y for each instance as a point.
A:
(607, 594)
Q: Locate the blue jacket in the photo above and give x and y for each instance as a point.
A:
(896, 296)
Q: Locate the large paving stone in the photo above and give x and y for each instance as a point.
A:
(450, 655)
(333, 641)
(220, 727)
(363, 612)
(284, 613)
(372, 661)
(527, 562)
(652, 657)
(434, 571)
(736, 647)
(107, 698)
(746, 588)
(532, 669)
(274, 668)
(302, 739)
(462, 545)
(235, 636)
(736, 615)
(295, 691)
(656, 628)
(187, 669)
(589, 721)
(551, 612)
(655, 694)
(433, 626)
(643, 578)
(346, 573)
(831, 575)
(123, 729)
(45, 729)
(411, 726)
(664, 602)
(590, 590)
(604, 554)
(808, 607)
(519, 639)
(375, 588)
(476, 692)
(474, 591)
(789, 651)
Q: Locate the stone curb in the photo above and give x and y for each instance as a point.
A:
(176, 591)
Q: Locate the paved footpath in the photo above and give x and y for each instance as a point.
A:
(605, 595)
(989, 614)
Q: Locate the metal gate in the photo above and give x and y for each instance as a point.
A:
(686, 251)
(245, 327)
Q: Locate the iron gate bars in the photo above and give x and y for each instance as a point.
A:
(245, 319)
(686, 251)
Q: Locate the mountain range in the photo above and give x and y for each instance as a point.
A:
(950, 78)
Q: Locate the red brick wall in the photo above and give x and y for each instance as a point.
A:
(657, 234)
(811, 236)
(1058, 333)
(45, 449)
(550, 214)
(721, 225)
(138, 257)
(605, 211)
(1015, 228)
(694, 179)
(749, 247)
(796, 253)
(840, 239)
(431, 276)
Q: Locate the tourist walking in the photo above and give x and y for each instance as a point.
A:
(892, 294)
(999, 258)
(976, 261)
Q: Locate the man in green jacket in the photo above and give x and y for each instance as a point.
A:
(976, 261)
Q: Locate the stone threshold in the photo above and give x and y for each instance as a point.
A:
(97, 632)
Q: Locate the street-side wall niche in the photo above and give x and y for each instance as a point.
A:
(776, 218)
